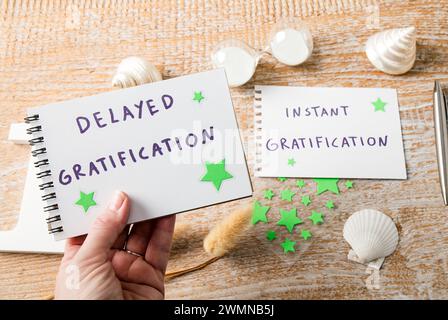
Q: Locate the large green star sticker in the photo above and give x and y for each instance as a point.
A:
(86, 200)
(287, 195)
(316, 217)
(259, 212)
(216, 173)
(324, 184)
(198, 96)
(379, 105)
(288, 245)
(289, 219)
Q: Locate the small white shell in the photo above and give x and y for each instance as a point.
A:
(392, 51)
(371, 234)
(134, 71)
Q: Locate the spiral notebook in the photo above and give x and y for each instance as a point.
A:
(172, 146)
(328, 133)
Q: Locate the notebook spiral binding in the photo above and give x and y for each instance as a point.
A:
(39, 152)
(258, 129)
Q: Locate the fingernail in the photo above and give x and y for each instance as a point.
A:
(117, 201)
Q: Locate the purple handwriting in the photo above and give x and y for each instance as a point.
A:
(318, 111)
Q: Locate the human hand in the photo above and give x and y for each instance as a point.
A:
(110, 264)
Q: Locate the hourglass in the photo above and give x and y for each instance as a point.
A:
(291, 43)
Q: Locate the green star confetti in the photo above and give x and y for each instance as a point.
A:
(86, 200)
(316, 217)
(259, 213)
(271, 235)
(349, 184)
(289, 219)
(329, 204)
(327, 184)
(287, 195)
(306, 234)
(216, 173)
(282, 179)
(288, 245)
(300, 183)
(268, 194)
(379, 105)
(291, 162)
(306, 200)
(198, 96)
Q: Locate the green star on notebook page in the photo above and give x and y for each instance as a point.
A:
(288, 245)
(198, 96)
(86, 200)
(268, 194)
(316, 217)
(349, 184)
(300, 183)
(306, 234)
(271, 235)
(306, 200)
(329, 204)
(379, 105)
(216, 173)
(287, 195)
(291, 162)
(289, 219)
(259, 212)
(327, 184)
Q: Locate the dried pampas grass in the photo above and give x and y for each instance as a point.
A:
(227, 233)
(222, 238)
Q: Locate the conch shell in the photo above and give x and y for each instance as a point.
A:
(134, 71)
(392, 51)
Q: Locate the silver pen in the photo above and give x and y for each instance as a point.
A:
(440, 127)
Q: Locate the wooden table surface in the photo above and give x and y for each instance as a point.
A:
(57, 50)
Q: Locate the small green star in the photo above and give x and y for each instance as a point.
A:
(259, 212)
(349, 184)
(289, 219)
(300, 183)
(327, 184)
(287, 195)
(271, 235)
(306, 200)
(198, 96)
(316, 217)
(288, 245)
(216, 173)
(268, 194)
(329, 204)
(282, 179)
(86, 200)
(379, 105)
(291, 162)
(305, 234)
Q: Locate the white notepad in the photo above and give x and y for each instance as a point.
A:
(328, 133)
(171, 146)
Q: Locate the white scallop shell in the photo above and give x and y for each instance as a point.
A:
(392, 51)
(134, 71)
(371, 234)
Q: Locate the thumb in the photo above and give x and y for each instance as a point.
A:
(107, 226)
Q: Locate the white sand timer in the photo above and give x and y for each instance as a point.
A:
(291, 43)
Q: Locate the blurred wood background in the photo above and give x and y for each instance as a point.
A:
(57, 50)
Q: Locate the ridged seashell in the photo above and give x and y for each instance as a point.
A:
(392, 51)
(371, 234)
(134, 71)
